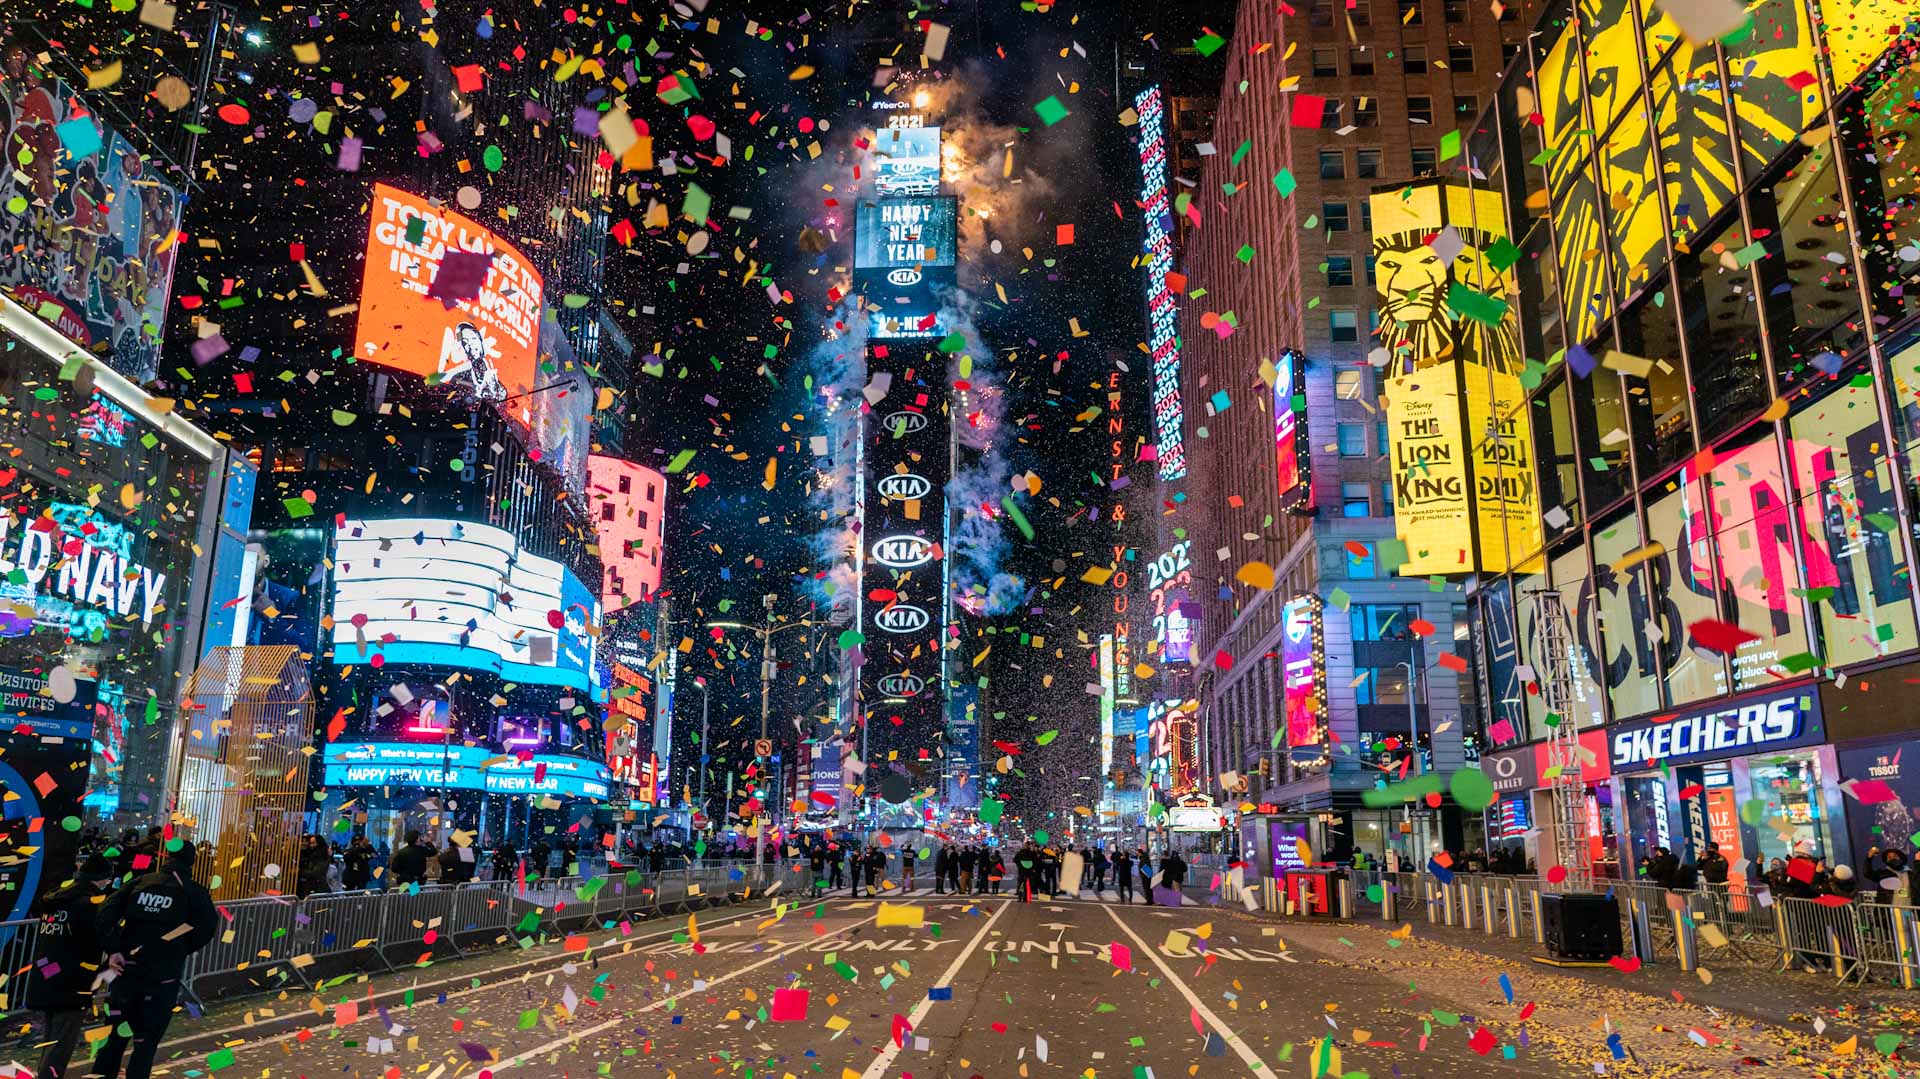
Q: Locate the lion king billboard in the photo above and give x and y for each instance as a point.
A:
(1462, 448)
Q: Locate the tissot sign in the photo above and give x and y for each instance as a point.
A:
(1781, 720)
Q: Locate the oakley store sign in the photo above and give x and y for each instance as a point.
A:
(1778, 721)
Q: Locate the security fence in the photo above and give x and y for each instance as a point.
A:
(1716, 925)
(273, 943)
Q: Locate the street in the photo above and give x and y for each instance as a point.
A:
(989, 987)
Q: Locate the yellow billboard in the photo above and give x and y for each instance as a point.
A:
(1461, 446)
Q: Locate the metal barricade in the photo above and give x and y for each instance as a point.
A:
(252, 949)
(342, 931)
(19, 943)
(1819, 938)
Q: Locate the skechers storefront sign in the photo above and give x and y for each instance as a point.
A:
(1780, 721)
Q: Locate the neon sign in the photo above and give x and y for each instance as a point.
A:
(1163, 318)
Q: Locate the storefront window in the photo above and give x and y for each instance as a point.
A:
(1657, 401)
(1807, 276)
(97, 558)
(1571, 580)
(1882, 153)
(1628, 661)
(1578, 246)
(1723, 333)
(1539, 293)
(1697, 163)
(1758, 577)
(1855, 563)
(1648, 818)
(1680, 581)
(1789, 785)
(1636, 230)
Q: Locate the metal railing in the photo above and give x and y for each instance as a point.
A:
(273, 943)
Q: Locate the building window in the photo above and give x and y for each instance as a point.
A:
(1373, 277)
(1413, 60)
(1334, 216)
(1339, 270)
(1321, 14)
(1410, 13)
(1357, 13)
(1366, 112)
(1359, 60)
(1384, 621)
(1367, 164)
(289, 460)
(1419, 110)
(1333, 164)
(1386, 486)
(626, 485)
(1366, 216)
(332, 461)
(643, 519)
(606, 511)
(1355, 500)
(1349, 383)
(1353, 443)
(1326, 62)
(1343, 325)
(1467, 105)
(650, 495)
(1362, 567)
(1508, 49)
(1456, 10)
(1425, 160)
(1460, 59)
(1380, 436)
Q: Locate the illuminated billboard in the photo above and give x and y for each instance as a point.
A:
(462, 767)
(484, 342)
(457, 594)
(1293, 454)
(906, 161)
(1169, 578)
(1163, 316)
(1462, 447)
(628, 502)
(903, 234)
(1303, 665)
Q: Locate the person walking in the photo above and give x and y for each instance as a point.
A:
(357, 865)
(148, 929)
(964, 863)
(1144, 863)
(907, 858)
(1123, 874)
(69, 947)
(1099, 871)
(876, 869)
(836, 867)
(816, 869)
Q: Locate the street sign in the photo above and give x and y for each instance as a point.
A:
(763, 747)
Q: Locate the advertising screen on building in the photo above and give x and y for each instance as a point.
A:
(487, 342)
(462, 767)
(457, 594)
(1462, 447)
(906, 161)
(963, 749)
(1163, 313)
(1290, 437)
(629, 507)
(1303, 662)
(91, 250)
(1169, 578)
(903, 233)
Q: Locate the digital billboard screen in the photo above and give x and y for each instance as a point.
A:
(1290, 438)
(485, 343)
(906, 161)
(462, 767)
(1304, 671)
(458, 594)
(903, 232)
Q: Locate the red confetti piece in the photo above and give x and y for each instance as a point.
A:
(1629, 965)
(1723, 637)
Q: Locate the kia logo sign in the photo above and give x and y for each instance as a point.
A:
(906, 423)
(905, 275)
(902, 618)
(902, 552)
(904, 486)
(901, 685)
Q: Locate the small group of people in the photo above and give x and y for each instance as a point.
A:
(130, 934)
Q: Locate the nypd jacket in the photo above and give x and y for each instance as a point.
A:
(156, 922)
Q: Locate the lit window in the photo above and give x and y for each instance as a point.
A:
(1343, 325)
(1349, 383)
(1353, 440)
(1355, 500)
(1339, 270)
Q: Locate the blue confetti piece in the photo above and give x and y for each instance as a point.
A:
(1506, 986)
(940, 993)
(1615, 1047)
(1221, 402)
(1440, 872)
(1829, 363)
(1580, 361)
(80, 137)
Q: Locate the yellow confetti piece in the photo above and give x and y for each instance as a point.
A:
(307, 52)
(1257, 574)
(102, 77)
(804, 71)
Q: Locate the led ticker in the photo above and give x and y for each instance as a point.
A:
(1162, 315)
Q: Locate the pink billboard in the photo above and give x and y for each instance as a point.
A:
(628, 502)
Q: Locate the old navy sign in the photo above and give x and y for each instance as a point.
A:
(1755, 725)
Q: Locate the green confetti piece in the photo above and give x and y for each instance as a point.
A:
(1478, 306)
(845, 970)
(416, 229)
(1450, 145)
(1019, 519)
(493, 158)
(1046, 738)
(1209, 43)
(1885, 1043)
(528, 1019)
(1801, 662)
(679, 462)
(223, 1058)
(1445, 1019)
(696, 204)
(1240, 151)
(1051, 111)
(1471, 788)
(990, 810)
(953, 342)
(1284, 182)
(1245, 254)
(297, 507)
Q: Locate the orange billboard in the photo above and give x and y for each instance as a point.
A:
(442, 296)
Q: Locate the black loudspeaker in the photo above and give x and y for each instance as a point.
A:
(1581, 926)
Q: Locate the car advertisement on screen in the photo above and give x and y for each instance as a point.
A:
(906, 161)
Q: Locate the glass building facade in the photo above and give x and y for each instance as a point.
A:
(1714, 244)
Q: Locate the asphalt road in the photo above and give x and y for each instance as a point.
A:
(985, 987)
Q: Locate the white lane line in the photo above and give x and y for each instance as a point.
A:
(575, 1036)
(1247, 1055)
(919, 1012)
(555, 961)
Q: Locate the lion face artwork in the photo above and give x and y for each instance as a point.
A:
(1414, 231)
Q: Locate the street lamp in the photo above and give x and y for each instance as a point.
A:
(1413, 730)
(766, 634)
(701, 685)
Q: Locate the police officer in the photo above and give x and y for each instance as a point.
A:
(148, 930)
(62, 981)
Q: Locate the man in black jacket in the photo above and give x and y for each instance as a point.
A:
(61, 985)
(357, 864)
(410, 862)
(148, 929)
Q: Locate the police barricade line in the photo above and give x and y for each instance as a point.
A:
(339, 926)
(1821, 939)
(253, 945)
(483, 913)
(19, 943)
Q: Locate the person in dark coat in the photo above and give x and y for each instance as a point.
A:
(941, 858)
(148, 929)
(537, 857)
(504, 859)
(657, 858)
(1173, 871)
(314, 860)
(410, 862)
(1713, 865)
(69, 947)
(357, 864)
(876, 868)
(1144, 864)
(1123, 874)
(836, 867)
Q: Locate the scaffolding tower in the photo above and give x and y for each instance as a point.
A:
(1553, 649)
